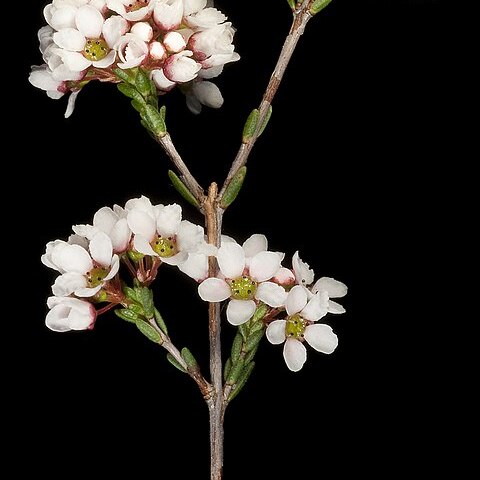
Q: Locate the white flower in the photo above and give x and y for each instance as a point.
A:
(168, 14)
(159, 231)
(83, 273)
(180, 68)
(203, 93)
(132, 10)
(132, 51)
(69, 314)
(299, 327)
(91, 41)
(246, 271)
(304, 275)
(112, 222)
(42, 77)
(52, 255)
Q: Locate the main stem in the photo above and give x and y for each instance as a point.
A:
(213, 215)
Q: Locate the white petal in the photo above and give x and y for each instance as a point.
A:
(105, 219)
(157, 52)
(189, 236)
(174, 42)
(180, 68)
(271, 294)
(276, 332)
(296, 300)
(57, 319)
(295, 354)
(334, 288)
(206, 18)
(74, 61)
(143, 204)
(74, 258)
(196, 266)
(114, 268)
(176, 260)
(71, 104)
(113, 28)
(168, 14)
(141, 223)
(212, 72)
(70, 39)
(120, 236)
(89, 21)
(316, 308)
(193, 104)
(67, 283)
(264, 265)
(255, 244)
(107, 61)
(87, 231)
(284, 276)
(60, 18)
(161, 81)
(214, 290)
(101, 249)
(303, 273)
(143, 31)
(116, 6)
(208, 94)
(240, 311)
(231, 260)
(44, 80)
(334, 307)
(168, 219)
(142, 245)
(88, 292)
(193, 6)
(321, 338)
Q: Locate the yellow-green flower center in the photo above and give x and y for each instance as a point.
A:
(96, 276)
(133, 6)
(95, 49)
(243, 288)
(164, 247)
(295, 327)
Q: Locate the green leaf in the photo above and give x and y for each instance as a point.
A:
(255, 327)
(175, 363)
(145, 297)
(157, 124)
(318, 5)
(265, 121)
(127, 315)
(181, 188)
(237, 347)
(253, 340)
(125, 75)
(149, 331)
(140, 108)
(163, 112)
(251, 354)
(189, 359)
(130, 293)
(243, 329)
(138, 309)
(236, 371)
(292, 4)
(142, 83)
(228, 367)
(241, 381)
(260, 312)
(160, 322)
(233, 188)
(250, 126)
(130, 92)
(135, 257)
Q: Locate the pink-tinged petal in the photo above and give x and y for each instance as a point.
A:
(101, 249)
(174, 42)
(87, 292)
(89, 21)
(69, 39)
(120, 236)
(141, 223)
(157, 52)
(214, 290)
(142, 245)
(296, 300)
(317, 307)
(284, 277)
(168, 219)
(76, 259)
(114, 28)
(196, 266)
(255, 244)
(168, 14)
(180, 67)
(114, 268)
(67, 283)
(271, 294)
(264, 266)
(161, 81)
(107, 61)
(303, 273)
(321, 338)
(176, 260)
(240, 311)
(334, 307)
(231, 260)
(334, 288)
(295, 354)
(276, 332)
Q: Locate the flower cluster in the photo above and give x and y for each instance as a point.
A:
(178, 42)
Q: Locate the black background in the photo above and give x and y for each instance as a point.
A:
(361, 112)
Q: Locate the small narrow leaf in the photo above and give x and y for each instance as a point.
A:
(130, 92)
(143, 84)
(175, 363)
(233, 188)
(318, 5)
(163, 112)
(237, 347)
(236, 371)
(125, 75)
(160, 322)
(149, 332)
(228, 367)
(256, 327)
(127, 315)
(145, 297)
(138, 309)
(140, 108)
(241, 381)
(260, 312)
(154, 120)
(189, 358)
(130, 293)
(250, 126)
(181, 188)
(251, 354)
(292, 4)
(265, 121)
(243, 329)
(135, 257)
(253, 340)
